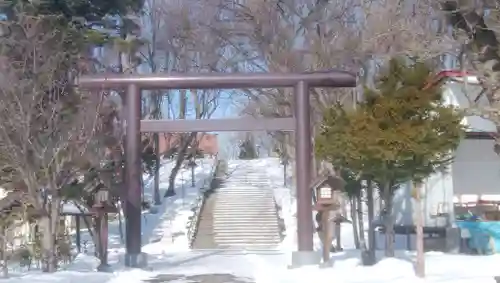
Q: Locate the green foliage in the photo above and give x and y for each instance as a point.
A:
(401, 131)
(84, 23)
(247, 150)
(70, 10)
(352, 185)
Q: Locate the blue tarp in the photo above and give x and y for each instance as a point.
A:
(481, 234)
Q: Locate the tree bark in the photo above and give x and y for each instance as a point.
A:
(3, 251)
(371, 216)
(49, 223)
(184, 142)
(388, 221)
(420, 264)
(48, 244)
(157, 197)
(354, 222)
(361, 222)
(178, 164)
(120, 221)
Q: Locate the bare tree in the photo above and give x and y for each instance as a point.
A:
(182, 41)
(305, 35)
(46, 125)
(478, 31)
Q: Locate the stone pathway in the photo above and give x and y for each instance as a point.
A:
(203, 278)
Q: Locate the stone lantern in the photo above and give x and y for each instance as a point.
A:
(102, 207)
(327, 192)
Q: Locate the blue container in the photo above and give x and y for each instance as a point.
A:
(484, 236)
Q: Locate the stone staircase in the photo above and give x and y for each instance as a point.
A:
(204, 238)
(244, 212)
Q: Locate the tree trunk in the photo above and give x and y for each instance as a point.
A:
(157, 198)
(178, 164)
(371, 216)
(143, 187)
(354, 222)
(120, 222)
(193, 179)
(388, 221)
(90, 229)
(184, 142)
(48, 244)
(284, 172)
(361, 222)
(171, 179)
(49, 223)
(3, 252)
(420, 264)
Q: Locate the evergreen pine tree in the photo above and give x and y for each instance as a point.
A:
(401, 131)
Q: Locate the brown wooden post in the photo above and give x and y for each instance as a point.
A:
(327, 235)
(305, 227)
(133, 199)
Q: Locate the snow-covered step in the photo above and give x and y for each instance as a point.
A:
(251, 247)
(238, 203)
(253, 191)
(250, 221)
(245, 232)
(241, 214)
(240, 238)
(226, 206)
(247, 237)
(248, 242)
(249, 213)
(244, 215)
(239, 211)
(244, 219)
(249, 191)
(242, 206)
(242, 197)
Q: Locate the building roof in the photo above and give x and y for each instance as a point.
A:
(335, 183)
(207, 143)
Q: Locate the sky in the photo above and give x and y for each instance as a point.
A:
(227, 108)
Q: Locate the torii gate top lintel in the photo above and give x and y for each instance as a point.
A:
(332, 78)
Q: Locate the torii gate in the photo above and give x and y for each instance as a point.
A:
(301, 83)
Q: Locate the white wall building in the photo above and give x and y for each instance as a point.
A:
(475, 171)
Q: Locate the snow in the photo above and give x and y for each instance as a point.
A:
(72, 207)
(170, 257)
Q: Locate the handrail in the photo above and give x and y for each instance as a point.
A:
(197, 208)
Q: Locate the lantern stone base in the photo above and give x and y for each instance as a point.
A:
(136, 260)
(153, 210)
(303, 258)
(104, 267)
(327, 264)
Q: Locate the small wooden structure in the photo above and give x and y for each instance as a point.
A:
(327, 192)
(103, 205)
(76, 210)
(327, 197)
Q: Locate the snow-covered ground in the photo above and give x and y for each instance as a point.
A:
(170, 256)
